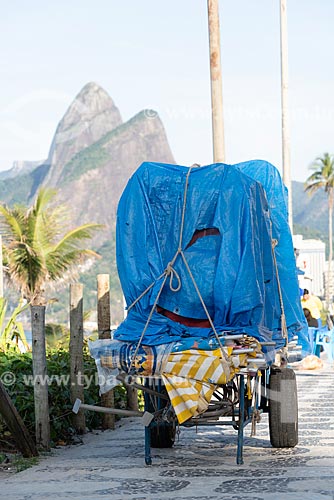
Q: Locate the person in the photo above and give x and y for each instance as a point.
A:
(312, 322)
(313, 304)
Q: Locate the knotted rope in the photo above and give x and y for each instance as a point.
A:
(284, 328)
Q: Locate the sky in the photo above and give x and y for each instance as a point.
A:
(154, 54)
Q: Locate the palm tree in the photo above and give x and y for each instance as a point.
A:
(38, 250)
(11, 331)
(323, 178)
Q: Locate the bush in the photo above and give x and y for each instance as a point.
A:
(58, 364)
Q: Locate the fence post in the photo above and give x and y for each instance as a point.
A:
(132, 398)
(76, 353)
(42, 423)
(103, 325)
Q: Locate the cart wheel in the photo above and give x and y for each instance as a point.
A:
(263, 403)
(162, 433)
(283, 408)
(163, 436)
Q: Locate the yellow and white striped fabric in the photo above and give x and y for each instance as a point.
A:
(191, 377)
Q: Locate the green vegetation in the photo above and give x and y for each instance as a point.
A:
(11, 331)
(20, 463)
(20, 189)
(58, 310)
(58, 364)
(94, 156)
(97, 155)
(16, 463)
(16, 190)
(322, 178)
(105, 265)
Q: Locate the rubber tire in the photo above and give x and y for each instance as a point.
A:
(283, 408)
(264, 404)
(163, 436)
(163, 433)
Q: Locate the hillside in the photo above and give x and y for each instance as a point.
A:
(310, 212)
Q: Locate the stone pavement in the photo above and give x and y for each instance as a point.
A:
(201, 466)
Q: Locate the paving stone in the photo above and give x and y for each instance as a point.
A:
(202, 464)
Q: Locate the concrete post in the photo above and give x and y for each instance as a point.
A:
(284, 108)
(216, 83)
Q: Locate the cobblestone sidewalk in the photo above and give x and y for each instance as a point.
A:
(201, 465)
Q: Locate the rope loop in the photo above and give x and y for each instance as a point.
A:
(274, 243)
(172, 273)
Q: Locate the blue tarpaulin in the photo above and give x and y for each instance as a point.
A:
(231, 213)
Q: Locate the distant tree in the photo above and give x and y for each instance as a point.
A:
(323, 178)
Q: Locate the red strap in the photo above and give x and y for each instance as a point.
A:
(198, 323)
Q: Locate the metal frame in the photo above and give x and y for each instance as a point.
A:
(238, 416)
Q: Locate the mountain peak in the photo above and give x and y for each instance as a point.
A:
(91, 100)
(90, 116)
(91, 86)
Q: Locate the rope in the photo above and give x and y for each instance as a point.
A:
(146, 325)
(184, 209)
(172, 273)
(169, 271)
(283, 318)
(145, 292)
(204, 306)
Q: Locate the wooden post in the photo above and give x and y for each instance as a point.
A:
(76, 353)
(132, 398)
(42, 423)
(103, 325)
(15, 424)
(131, 392)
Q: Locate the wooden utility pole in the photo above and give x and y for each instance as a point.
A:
(14, 422)
(76, 353)
(216, 83)
(42, 423)
(103, 325)
(284, 108)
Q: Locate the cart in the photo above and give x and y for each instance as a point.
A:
(206, 263)
(232, 405)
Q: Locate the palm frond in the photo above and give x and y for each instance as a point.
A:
(72, 239)
(13, 330)
(323, 175)
(37, 250)
(11, 222)
(26, 267)
(38, 218)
